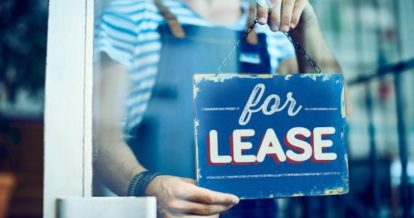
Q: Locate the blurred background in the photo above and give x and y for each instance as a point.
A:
(372, 39)
(23, 31)
(374, 42)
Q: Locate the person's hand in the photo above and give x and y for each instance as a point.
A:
(179, 197)
(286, 15)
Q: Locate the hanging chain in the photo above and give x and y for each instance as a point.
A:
(242, 38)
(246, 33)
(302, 52)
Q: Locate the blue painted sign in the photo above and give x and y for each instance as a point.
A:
(267, 136)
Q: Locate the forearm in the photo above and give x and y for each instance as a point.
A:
(116, 165)
(310, 37)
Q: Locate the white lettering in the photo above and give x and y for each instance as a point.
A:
(239, 146)
(271, 146)
(293, 142)
(269, 106)
(319, 144)
(298, 148)
(215, 158)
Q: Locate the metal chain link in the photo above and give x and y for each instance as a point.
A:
(302, 52)
(244, 36)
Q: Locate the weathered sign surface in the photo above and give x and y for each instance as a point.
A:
(267, 136)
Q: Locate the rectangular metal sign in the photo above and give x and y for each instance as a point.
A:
(267, 136)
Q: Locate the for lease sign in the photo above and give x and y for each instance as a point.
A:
(266, 136)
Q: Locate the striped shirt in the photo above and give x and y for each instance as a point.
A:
(127, 31)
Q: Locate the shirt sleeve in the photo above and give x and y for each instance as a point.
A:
(279, 48)
(115, 35)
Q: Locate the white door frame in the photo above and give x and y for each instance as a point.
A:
(68, 102)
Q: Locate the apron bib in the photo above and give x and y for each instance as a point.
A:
(165, 138)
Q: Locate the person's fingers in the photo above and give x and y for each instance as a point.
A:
(202, 195)
(275, 13)
(262, 14)
(182, 196)
(300, 6)
(194, 208)
(287, 9)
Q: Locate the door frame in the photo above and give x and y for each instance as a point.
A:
(68, 102)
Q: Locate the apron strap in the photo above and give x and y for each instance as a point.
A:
(252, 37)
(173, 23)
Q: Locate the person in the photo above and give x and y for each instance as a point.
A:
(148, 50)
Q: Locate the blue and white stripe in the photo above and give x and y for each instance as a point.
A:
(127, 32)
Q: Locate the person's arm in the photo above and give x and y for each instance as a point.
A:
(298, 18)
(116, 164)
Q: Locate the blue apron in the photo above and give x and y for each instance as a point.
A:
(164, 140)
